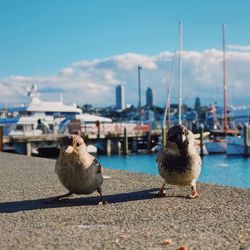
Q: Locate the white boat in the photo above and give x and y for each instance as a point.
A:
(238, 145)
(51, 114)
(55, 115)
(217, 143)
(44, 117)
(35, 125)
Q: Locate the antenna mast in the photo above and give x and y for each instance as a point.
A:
(180, 71)
(224, 80)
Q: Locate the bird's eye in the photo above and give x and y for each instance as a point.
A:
(78, 144)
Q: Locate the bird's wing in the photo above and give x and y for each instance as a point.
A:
(164, 157)
(160, 155)
(56, 166)
(157, 157)
(97, 165)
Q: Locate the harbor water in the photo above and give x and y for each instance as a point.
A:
(217, 169)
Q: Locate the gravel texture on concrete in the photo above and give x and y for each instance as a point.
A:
(133, 219)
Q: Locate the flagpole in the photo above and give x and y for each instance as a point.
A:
(224, 81)
(139, 92)
(180, 71)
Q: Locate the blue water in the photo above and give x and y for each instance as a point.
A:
(219, 169)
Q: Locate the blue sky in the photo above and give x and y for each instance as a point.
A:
(40, 38)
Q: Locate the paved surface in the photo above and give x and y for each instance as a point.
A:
(133, 219)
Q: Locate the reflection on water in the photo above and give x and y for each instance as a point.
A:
(219, 169)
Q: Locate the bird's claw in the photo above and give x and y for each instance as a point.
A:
(160, 194)
(194, 195)
(55, 200)
(63, 199)
(102, 203)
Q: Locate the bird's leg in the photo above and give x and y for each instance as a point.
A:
(102, 202)
(194, 192)
(161, 192)
(59, 197)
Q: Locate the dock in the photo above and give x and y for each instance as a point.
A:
(111, 143)
(133, 219)
(33, 141)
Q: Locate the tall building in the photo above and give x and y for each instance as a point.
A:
(120, 97)
(149, 97)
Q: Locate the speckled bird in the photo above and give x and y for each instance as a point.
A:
(178, 161)
(78, 170)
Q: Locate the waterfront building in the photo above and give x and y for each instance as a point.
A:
(149, 97)
(120, 97)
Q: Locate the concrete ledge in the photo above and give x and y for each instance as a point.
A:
(133, 219)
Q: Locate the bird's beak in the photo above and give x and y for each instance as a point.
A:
(68, 149)
(183, 138)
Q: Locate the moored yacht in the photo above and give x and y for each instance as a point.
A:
(239, 145)
(217, 141)
(44, 117)
(38, 112)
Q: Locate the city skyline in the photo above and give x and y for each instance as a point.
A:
(83, 50)
(120, 97)
(149, 97)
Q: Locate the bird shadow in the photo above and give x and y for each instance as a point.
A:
(46, 203)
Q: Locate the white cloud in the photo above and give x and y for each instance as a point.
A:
(238, 47)
(67, 72)
(130, 61)
(85, 63)
(93, 81)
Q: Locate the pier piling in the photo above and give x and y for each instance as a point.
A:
(246, 140)
(148, 141)
(134, 146)
(115, 146)
(125, 142)
(1, 138)
(201, 141)
(28, 149)
(108, 147)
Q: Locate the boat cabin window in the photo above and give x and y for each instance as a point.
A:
(19, 127)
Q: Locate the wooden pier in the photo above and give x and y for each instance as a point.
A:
(33, 141)
(112, 143)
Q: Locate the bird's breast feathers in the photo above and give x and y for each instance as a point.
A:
(178, 169)
(76, 176)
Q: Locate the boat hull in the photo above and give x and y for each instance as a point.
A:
(216, 147)
(235, 146)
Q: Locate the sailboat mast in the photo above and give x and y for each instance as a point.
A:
(224, 80)
(180, 71)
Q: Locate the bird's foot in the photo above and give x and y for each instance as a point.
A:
(61, 197)
(102, 203)
(161, 193)
(55, 200)
(194, 195)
